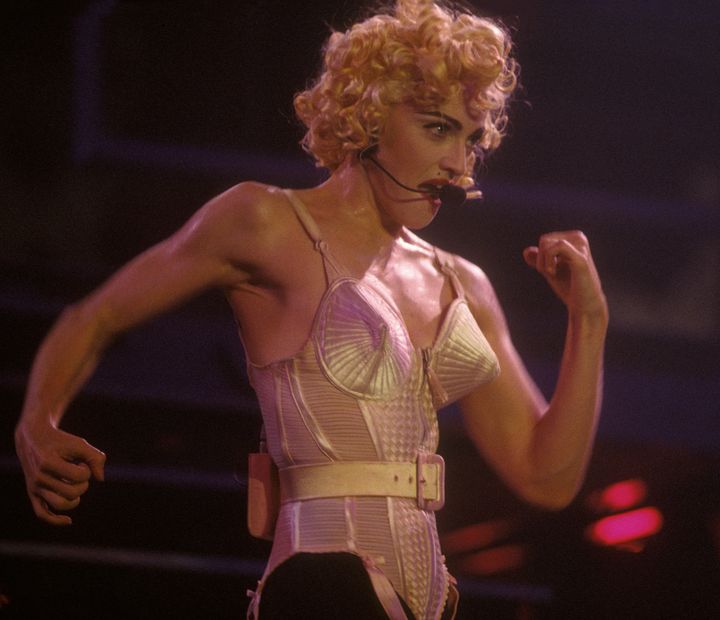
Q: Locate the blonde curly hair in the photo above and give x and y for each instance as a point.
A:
(421, 52)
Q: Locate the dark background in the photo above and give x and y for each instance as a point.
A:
(119, 119)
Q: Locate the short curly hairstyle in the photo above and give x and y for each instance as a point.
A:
(419, 52)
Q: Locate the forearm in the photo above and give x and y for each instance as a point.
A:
(64, 362)
(563, 437)
(57, 465)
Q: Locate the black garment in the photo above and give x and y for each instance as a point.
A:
(322, 586)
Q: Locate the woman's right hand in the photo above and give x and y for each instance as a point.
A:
(58, 467)
(217, 248)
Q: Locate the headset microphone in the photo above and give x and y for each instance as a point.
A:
(450, 195)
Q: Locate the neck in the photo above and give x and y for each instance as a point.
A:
(351, 189)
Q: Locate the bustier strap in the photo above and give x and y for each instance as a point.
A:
(333, 269)
(443, 260)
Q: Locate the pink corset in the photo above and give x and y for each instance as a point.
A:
(360, 391)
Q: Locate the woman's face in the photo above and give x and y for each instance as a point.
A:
(420, 147)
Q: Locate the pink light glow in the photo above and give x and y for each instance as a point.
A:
(622, 495)
(619, 496)
(626, 527)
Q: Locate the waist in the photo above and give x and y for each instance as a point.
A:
(422, 480)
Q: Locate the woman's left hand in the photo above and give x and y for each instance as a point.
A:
(565, 261)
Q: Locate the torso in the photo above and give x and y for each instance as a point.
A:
(383, 347)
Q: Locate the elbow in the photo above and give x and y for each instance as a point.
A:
(552, 502)
(549, 495)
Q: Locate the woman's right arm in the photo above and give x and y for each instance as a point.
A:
(221, 246)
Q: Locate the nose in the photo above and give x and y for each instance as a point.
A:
(455, 160)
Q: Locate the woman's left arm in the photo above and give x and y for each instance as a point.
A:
(542, 449)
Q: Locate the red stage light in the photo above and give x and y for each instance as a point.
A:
(619, 496)
(625, 494)
(626, 527)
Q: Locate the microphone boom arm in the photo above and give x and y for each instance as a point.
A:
(449, 195)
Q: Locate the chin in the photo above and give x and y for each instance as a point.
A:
(414, 213)
(422, 218)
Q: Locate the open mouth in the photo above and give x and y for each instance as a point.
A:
(433, 187)
(446, 193)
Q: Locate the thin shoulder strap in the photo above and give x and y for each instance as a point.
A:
(332, 268)
(445, 263)
(304, 216)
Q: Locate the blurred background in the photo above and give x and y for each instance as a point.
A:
(118, 119)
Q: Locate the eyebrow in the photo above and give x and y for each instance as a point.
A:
(477, 134)
(453, 121)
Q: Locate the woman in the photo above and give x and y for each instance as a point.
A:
(355, 329)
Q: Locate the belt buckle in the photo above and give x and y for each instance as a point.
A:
(430, 473)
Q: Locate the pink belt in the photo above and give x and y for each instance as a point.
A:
(423, 480)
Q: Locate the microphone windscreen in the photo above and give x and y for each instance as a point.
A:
(452, 195)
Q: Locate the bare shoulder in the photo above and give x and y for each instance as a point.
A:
(479, 293)
(478, 288)
(243, 222)
(254, 206)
